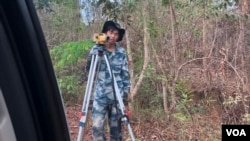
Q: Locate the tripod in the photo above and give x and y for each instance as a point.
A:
(95, 59)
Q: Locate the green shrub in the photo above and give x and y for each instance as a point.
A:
(68, 64)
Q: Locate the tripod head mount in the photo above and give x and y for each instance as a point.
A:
(98, 49)
(100, 38)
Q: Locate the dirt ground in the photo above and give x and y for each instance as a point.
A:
(205, 127)
(73, 117)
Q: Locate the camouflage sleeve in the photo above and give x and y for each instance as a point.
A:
(125, 75)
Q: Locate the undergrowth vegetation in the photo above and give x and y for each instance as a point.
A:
(188, 59)
(68, 61)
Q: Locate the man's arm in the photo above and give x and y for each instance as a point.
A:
(125, 76)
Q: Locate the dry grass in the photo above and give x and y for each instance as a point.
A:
(202, 127)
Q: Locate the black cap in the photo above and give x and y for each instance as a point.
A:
(115, 25)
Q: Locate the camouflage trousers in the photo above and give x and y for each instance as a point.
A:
(99, 113)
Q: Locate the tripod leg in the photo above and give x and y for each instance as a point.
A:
(86, 102)
(123, 110)
(120, 101)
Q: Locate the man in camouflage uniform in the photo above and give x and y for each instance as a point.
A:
(105, 102)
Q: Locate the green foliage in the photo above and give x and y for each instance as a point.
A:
(181, 4)
(153, 30)
(66, 58)
(184, 89)
(147, 97)
(185, 92)
(197, 109)
(68, 53)
(69, 85)
(156, 114)
(196, 31)
(138, 63)
(165, 2)
(188, 53)
(181, 117)
(43, 4)
(130, 4)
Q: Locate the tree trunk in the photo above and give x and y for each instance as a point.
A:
(146, 53)
(244, 9)
(173, 54)
(129, 54)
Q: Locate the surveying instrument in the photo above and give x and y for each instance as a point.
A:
(96, 57)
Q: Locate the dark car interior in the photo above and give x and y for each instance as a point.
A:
(31, 107)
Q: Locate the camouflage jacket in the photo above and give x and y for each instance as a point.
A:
(119, 66)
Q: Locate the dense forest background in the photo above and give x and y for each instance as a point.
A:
(187, 59)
